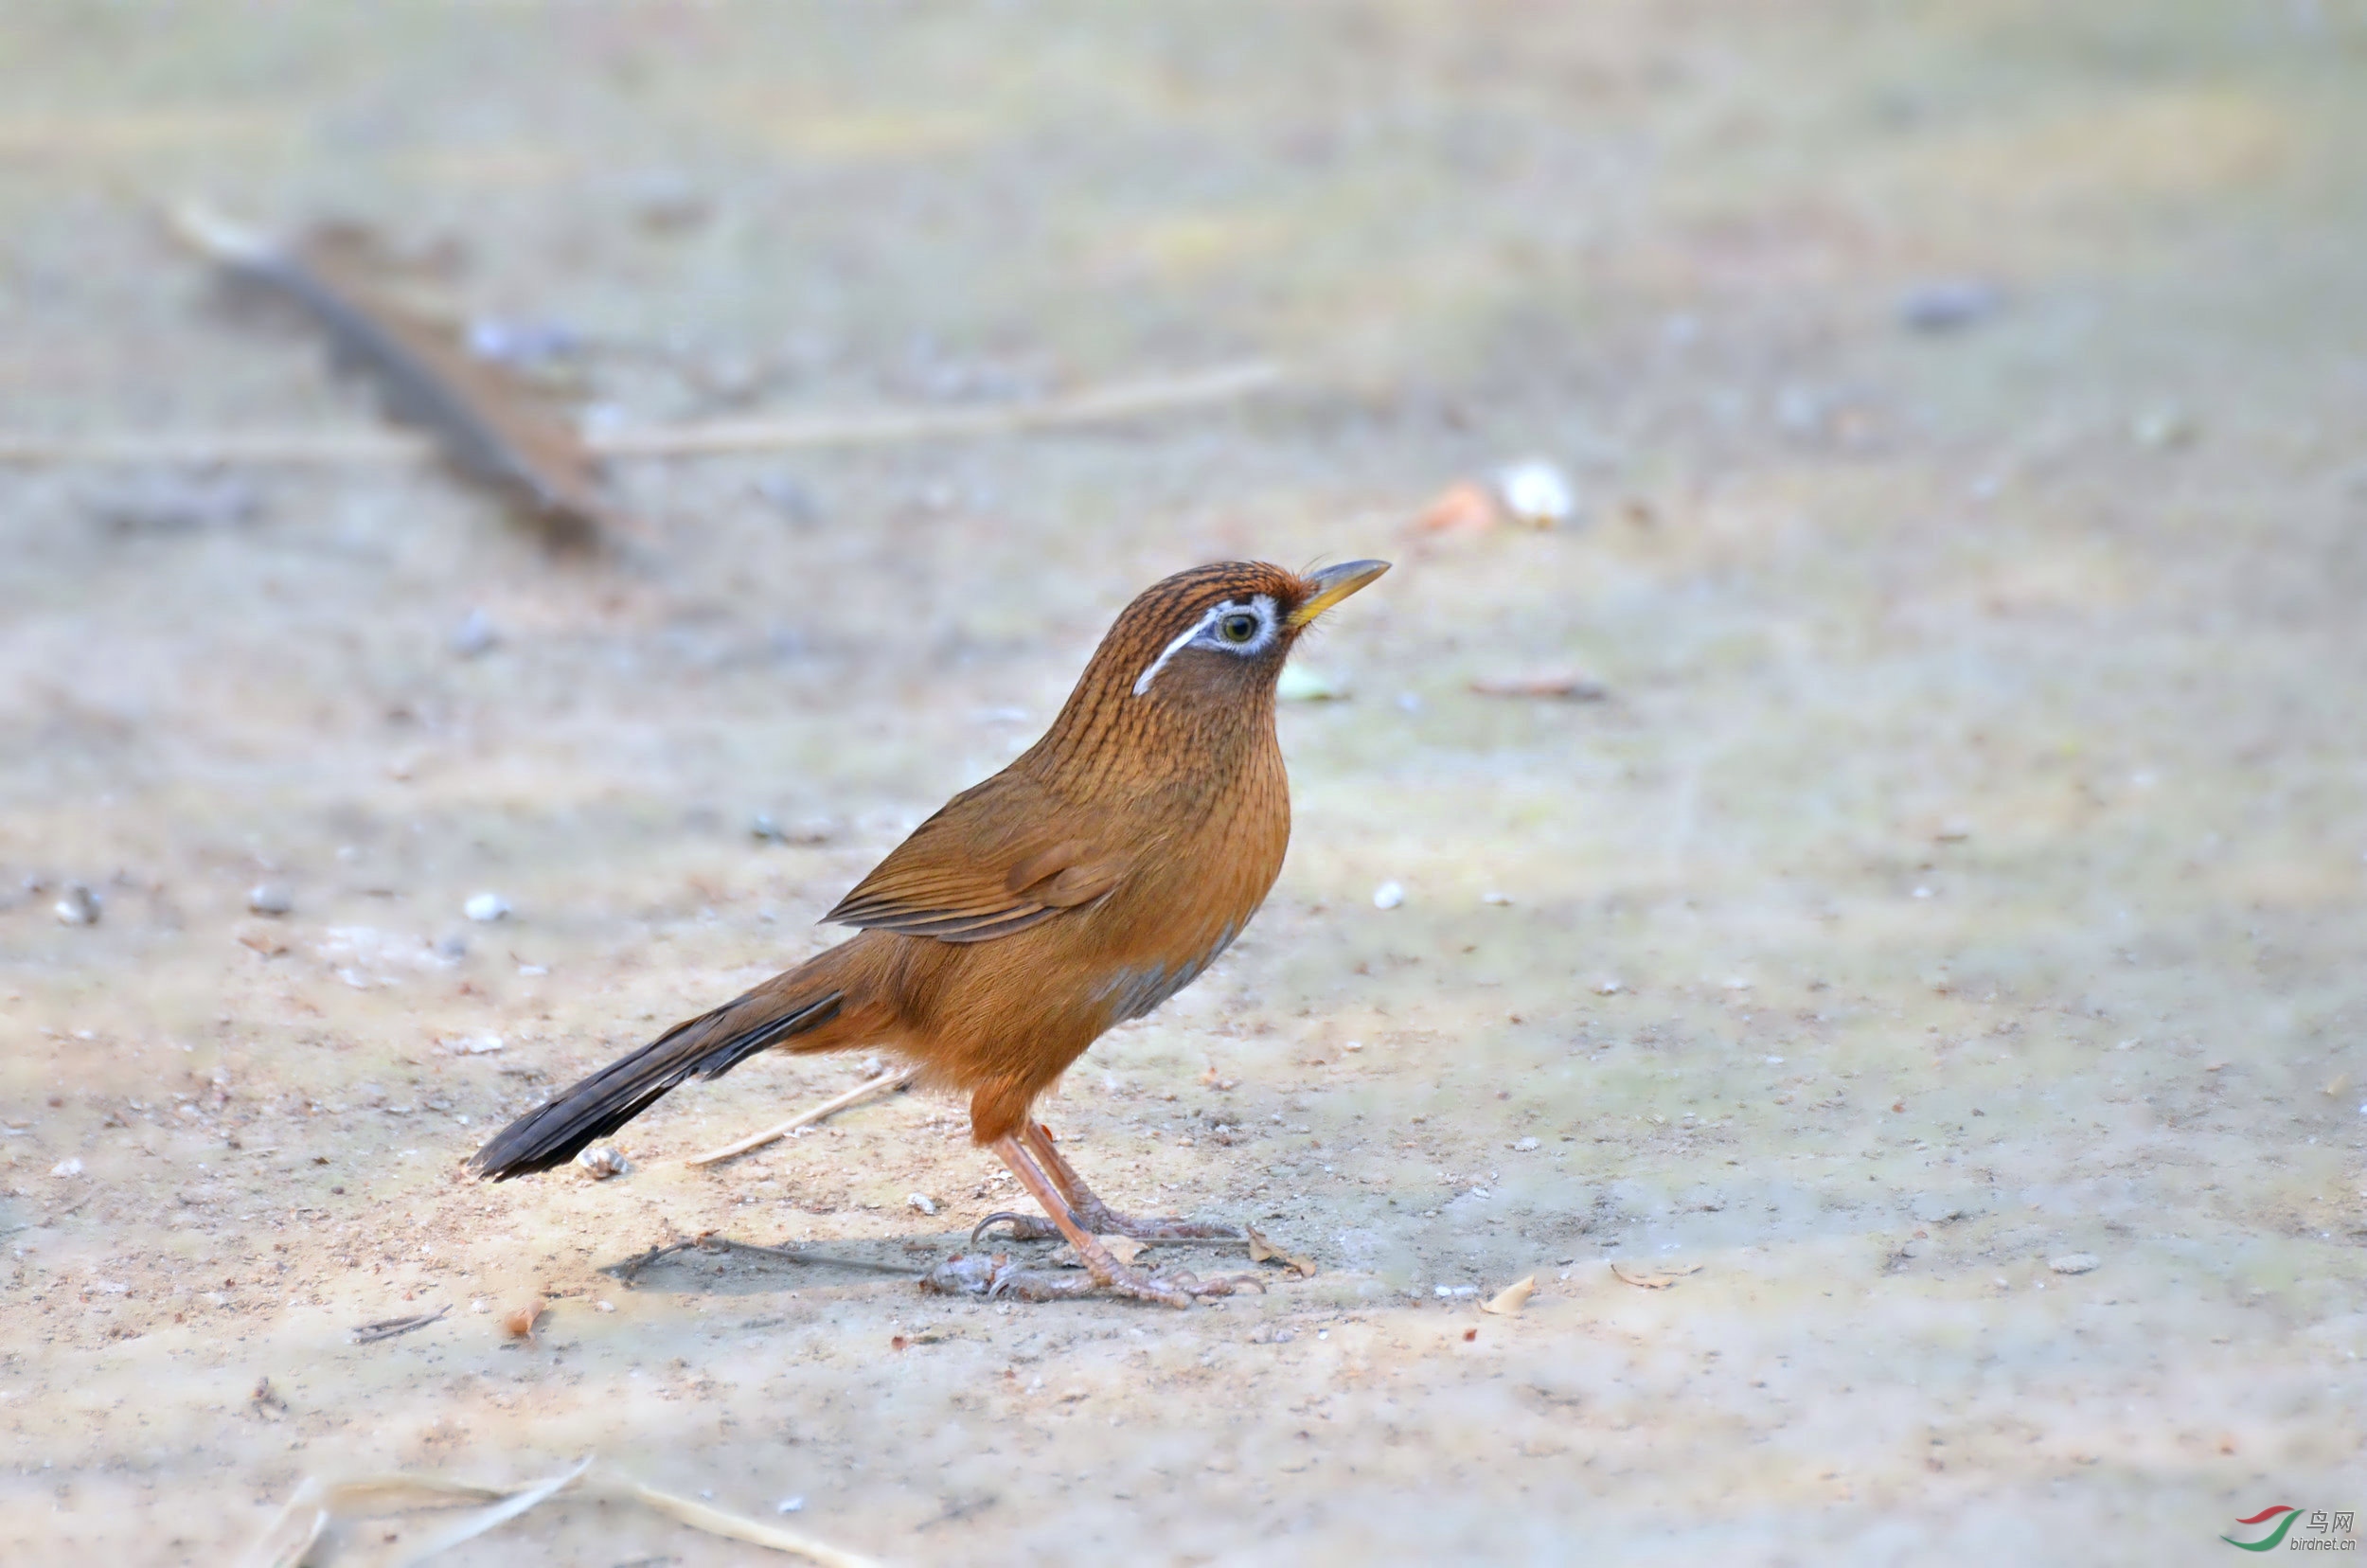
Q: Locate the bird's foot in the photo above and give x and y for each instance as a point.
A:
(1101, 1220)
(1024, 1227)
(1176, 1290)
(997, 1276)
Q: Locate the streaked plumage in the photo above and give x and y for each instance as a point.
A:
(1091, 879)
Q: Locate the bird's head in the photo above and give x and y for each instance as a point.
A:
(1220, 631)
(1200, 650)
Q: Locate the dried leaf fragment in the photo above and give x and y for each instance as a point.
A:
(1124, 1248)
(1460, 507)
(1263, 1250)
(1654, 1280)
(1508, 1301)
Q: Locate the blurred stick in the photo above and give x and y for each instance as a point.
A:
(331, 449)
(885, 1083)
(294, 1536)
(1097, 405)
(485, 423)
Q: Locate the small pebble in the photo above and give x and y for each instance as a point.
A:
(2073, 1263)
(1537, 493)
(1948, 304)
(1607, 987)
(666, 202)
(922, 1202)
(1497, 899)
(788, 498)
(1524, 1143)
(602, 1163)
(789, 1505)
(475, 635)
(80, 907)
(269, 898)
(70, 1167)
(1389, 895)
(176, 504)
(486, 907)
(522, 343)
(2163, 428)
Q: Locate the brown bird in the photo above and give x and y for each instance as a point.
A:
(1095, 876)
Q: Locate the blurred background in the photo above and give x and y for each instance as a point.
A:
(1852, 790)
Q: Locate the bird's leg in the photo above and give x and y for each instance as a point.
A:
(1106, 1270)
(1087, 1209)
(1098, 1217)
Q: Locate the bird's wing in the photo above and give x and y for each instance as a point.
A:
(999, 858)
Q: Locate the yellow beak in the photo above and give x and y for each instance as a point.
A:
(1334, 583)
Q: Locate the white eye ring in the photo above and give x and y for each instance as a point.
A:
(1233, 627)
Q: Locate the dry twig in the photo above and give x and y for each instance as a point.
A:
(885, 1083)
(297, 1530)
(485, 422)
(371, 1333)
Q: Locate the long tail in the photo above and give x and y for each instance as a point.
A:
(707, 1046)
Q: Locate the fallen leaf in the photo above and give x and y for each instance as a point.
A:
(1263, 1250)
(1124, 1248)
(1460, 507)
(1651, 1279)
(1568, 685)
(1508, 1301)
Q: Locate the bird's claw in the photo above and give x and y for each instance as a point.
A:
(996, 1276)
(1102, 1219)
(1024, 1227)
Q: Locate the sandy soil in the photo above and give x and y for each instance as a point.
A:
(1963, 873)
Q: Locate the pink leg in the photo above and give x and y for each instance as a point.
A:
(1088, 1210)
(1106, 1270)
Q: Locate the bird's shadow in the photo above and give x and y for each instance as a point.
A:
(710, 1264)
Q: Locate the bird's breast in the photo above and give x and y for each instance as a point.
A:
(1192, 898)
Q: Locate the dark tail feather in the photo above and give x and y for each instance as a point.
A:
(707, 1046)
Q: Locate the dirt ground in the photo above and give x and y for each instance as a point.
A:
(1967, 408)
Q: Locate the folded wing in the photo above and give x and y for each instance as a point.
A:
(995, 861)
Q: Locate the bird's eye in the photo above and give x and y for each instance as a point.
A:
(1237, 628)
